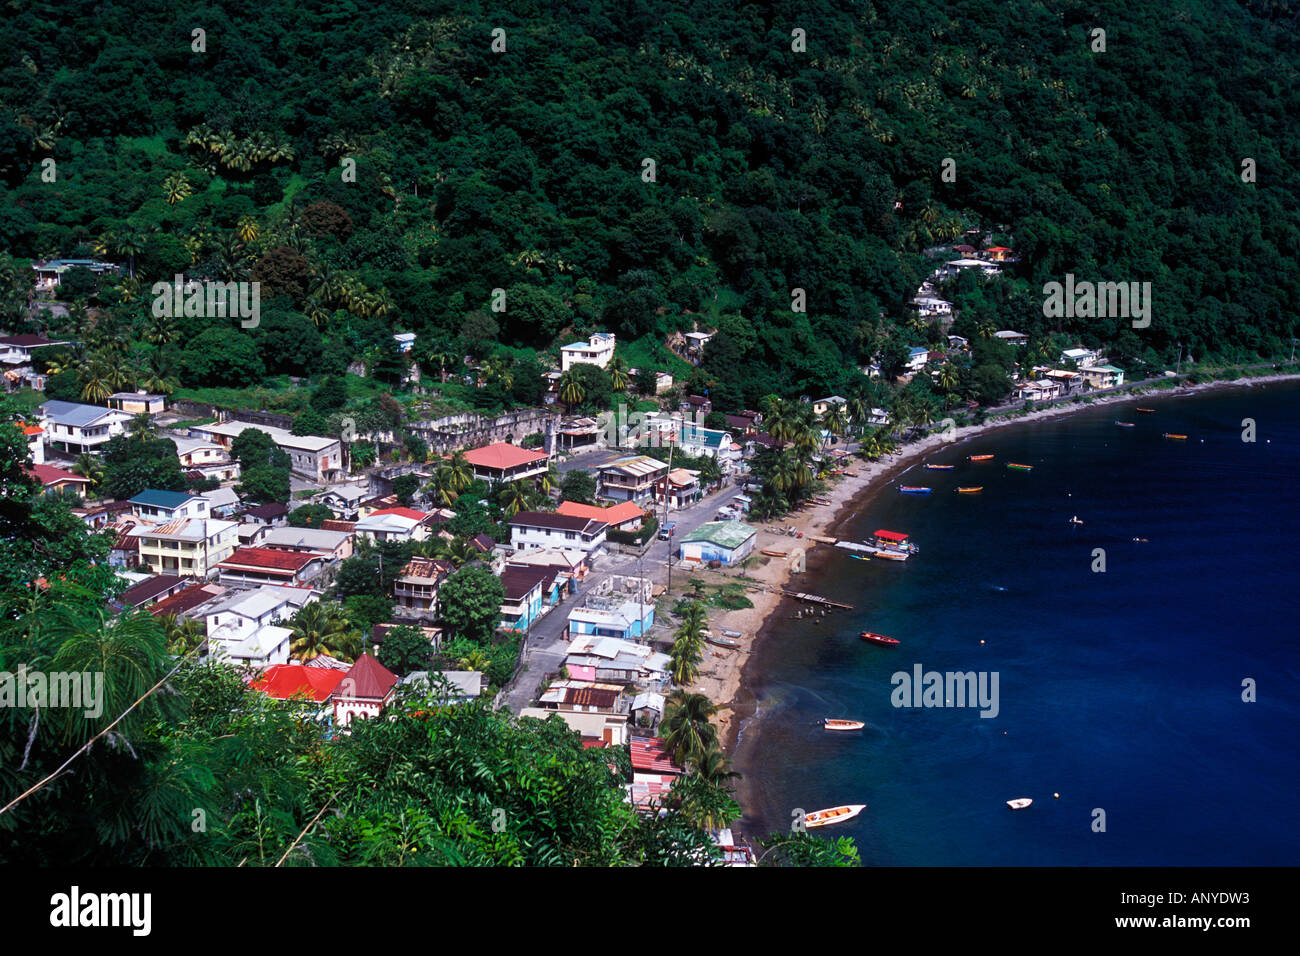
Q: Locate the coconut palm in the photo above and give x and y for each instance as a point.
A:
(686, 730)
(949, 377)
(715, 767)
(618, 374)
(685, 657)
(322, 629)
(572, 391)
(549, 480)
(89, 466)
(176, 188)
(142, 427)
(837, 420)
(475, 660)
(514, 498)
(443, 486)
(182, 634)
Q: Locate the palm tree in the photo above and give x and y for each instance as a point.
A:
(572, 391)
(685, 657)
(176, 188)
(160, 329)
(514, 498)
(182, 634)
(442, 360)
(98, 379)
(141, 427)
(443, 486)
(837, 420)
(322, 629)
(459, 551)
(715, 767)
(549, 480)
(130, 244)
(247, 229)
(461, 472)
(686, 729)
(475, 660)
(618, 375)
(89, 466)
(949, 377)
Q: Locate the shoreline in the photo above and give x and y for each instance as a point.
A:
(727, 676)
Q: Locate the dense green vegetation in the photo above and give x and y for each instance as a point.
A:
(774, 170)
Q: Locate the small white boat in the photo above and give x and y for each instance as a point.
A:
(1075, 520)
(1019, 803)
(821, 818)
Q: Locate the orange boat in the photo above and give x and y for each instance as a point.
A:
(979, 457)
(970, 491)
(774, 554)
(1172, 437)
(1146, 409)
(879, 639)
(835, 723)
(821, 818)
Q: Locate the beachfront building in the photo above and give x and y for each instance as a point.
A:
(189, 547)
(630, 479)
(77, 428)
(597, 350)
(502, 462)
(1042, 390)
(729, 542)
(544, 529)
(1102, 376)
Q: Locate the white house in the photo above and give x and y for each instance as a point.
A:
(80, 428)
(394, 524)
(727, 541)
(405, 341)
(1082, 358)
(248, 627)
(311, 456)
(597, 350)
(158, 506)
(544, 529)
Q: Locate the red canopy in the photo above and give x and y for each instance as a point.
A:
(891, 535)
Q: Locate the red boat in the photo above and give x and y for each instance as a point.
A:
(879, 639)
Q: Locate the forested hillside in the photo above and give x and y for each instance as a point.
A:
(774, 169)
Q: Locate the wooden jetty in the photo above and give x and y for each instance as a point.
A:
(801, 596)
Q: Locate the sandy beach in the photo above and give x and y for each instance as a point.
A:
(722, 673)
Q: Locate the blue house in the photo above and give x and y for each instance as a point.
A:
(529, 589)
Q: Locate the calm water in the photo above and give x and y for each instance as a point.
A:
(1119, 690)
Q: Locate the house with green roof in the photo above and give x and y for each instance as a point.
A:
(727, 541)
(153, 504)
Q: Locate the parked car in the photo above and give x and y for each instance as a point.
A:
(667, 529)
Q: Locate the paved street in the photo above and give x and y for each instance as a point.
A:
(546, 643)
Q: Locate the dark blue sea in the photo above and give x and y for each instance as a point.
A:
(1121, 691)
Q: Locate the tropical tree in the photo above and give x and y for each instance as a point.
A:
(686, 729)
(572, 391)
(320, 628)
(91, 467)
(176, 188)
(514, 498)
(618, 373)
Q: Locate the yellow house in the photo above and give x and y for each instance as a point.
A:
(187, 547)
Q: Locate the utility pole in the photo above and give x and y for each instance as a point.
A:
(1292, 359)
(671, 445)
(1179, 369)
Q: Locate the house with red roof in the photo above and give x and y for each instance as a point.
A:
(364, 691)
(35, 436)
(502, 461)
(625, 516)
(289, 681)
(59, 479)
(253, 567)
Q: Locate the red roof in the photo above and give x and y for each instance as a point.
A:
(283, 681)
(615, 515)
(401, 513)
(648, 754)
(269, 559)
(30, 429)
(368, 679)
(502, 455)
(48, 475)
(891, 535)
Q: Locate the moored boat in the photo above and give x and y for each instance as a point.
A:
(879, 639)
(1146, 409)
(1019, 803)
(821, 818)
(892, 545)
(1172, 437)
(1125, 424)
(970, 491)
(913, 490)
(941, 467)
(1076, 520)
(979, 457)
(836, 723)
(1015, 467)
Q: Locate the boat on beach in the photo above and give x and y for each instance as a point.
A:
(979, 457)
(821, 818)
(720, 641)
(1172, 437)
(880, 639)
(913, 490)
(970, 491)
(836, 723)
(1019, 803)
(1011, 465)
(774, 554)
(941, 467)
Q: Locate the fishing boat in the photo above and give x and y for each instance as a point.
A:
(733, 634)
(1172, 437)
(1125, 424)
(1014, 467)
(879, 639)
(719, 641)
(1148, 410)
(774, 554)
(835, 723)
(913, 490)
(970, 491)
(979, 457)
(1019, 803)
(821, 818)
(885, 555)
(941, 467)
(892, 545)
(1075, 520)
